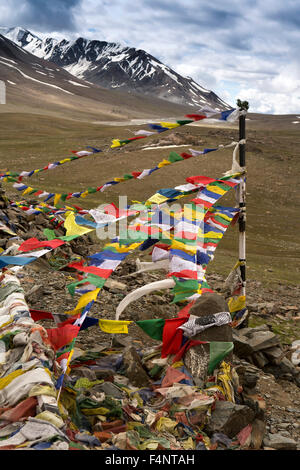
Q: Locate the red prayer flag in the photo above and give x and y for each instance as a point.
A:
(196, 117)
(34, 243)
(200, 180)
(172, 337)
(104, 273)
(62, 336)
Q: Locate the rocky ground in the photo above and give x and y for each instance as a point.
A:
(278, 389)
(273, 309)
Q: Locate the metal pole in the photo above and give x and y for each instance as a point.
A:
(242, 204)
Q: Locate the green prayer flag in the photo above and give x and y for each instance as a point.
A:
(153, 328)
(91, 278)
(182, 122)
(50, 234)
(184, 289)
(217, 351)
(175, 157)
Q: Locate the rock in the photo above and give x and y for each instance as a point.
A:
(279, 442)
(40, 264)
(109, 389)
(229, 418)
(262, 307)
(262, 340)
(247, 377)
(134, 368)
(287, 308)
(241, 346)
(257, 434)
(111, 284)
(259, 359)
(104, 374)
(250, 332)
(284, 370)
(85, 372)
(34, 294)
(275, 354)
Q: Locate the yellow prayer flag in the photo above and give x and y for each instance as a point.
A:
(121, 249)
(165, 424)
(115, 143)
(84, 194)
(189, 444)
(236, 304)
(163, 163)
(157, 199)
(57, 198)
(191, 249)
(216, 189)
(68, 369)
(27, 190)
(193, 214)
(171, 125)
(84, 300)
(119, 180)
(114, 326)
(4, 381)
(72, 228)
(213, 235)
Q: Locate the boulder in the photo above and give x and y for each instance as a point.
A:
(262, 340)
(279, 442)
(229, 418)
(242, 347)
(275, 354)
(257, 434)
(134, 368)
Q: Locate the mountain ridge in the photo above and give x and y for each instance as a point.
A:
(112, 66)
(39, 86)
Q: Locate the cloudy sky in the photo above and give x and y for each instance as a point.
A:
(246, 49)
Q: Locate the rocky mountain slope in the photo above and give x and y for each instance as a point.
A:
(112, 66)
(37, 85)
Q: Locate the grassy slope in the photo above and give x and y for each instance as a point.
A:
(29, 141)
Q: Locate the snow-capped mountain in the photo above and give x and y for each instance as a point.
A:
(112, 65)
(35, 85)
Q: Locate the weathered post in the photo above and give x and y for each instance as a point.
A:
(242, 194)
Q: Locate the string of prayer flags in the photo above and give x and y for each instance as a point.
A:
(183, 252)
(165, 126)
(206, 112)
(119, 143)
(26, 174)
(173, 158)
